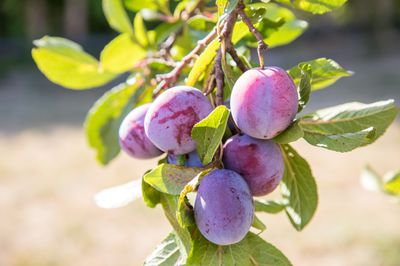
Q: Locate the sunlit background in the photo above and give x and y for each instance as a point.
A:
(48, 174)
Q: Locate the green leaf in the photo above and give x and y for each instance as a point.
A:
(391, 184)
(170, 206)
(230, 77)
(104, 118)
(304, 88)
(140, 30)
(314, 6)
(258, 224)
(65, 63)
(325, 72)
(291, 134)
(136, 6)
(185, 215)
(121, 54)
(166, 253)
(205, 58)
(151, 196)
(171, 179)
(119, 196)
(116, 16)
(252, 250)
(341, 142)
(269, 206)
(348, 126)
(279, 25)
(208, 133)
(371, 180)
(298, 188)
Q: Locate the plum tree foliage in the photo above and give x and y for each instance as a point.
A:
(224, 120)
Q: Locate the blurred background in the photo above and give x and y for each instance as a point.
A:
(48, 174)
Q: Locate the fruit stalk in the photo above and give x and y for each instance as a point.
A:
(262, 46)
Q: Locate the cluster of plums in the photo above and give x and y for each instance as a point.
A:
(263, 103)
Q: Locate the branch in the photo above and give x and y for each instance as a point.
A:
(170, 78)
(262, 46)
(219, 76)
(231, 50)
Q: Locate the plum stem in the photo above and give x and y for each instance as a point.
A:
(262, 46)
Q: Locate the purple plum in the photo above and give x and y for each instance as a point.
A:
(192, 159)
(260, 162)
(264, 102)
(132, 137)
(171, 117)
(224, 207)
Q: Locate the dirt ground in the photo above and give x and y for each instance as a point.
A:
(48, 177)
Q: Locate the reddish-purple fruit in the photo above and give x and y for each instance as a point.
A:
(260, 162)
(132, 137)
(264, 102)
(171, 117)
(191, 159)
(224, 207)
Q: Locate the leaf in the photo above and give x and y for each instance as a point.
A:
(121, 54)
(171, 179)
(151, 196)
(169, 204)
(314, 6)
(104, 118)
(325, 72)
(304, 87)
(371, 180)
(291, 134)
(116, 16)
(269, 206)
(185, 215)
(279, 25)
(136, 6)
(298, 188)
(166, 253)
(207, 56)
(65, 63)
(252, 250)
(348, 126)
(208, 133)
(119, 196)
(391, 184)
(258, 224)
(140, 30)
(342, 142)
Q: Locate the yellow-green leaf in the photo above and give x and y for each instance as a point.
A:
(65, 63)
(121, 54)
(116, 15)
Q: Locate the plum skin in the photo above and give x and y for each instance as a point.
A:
(192, 159)
(264, 102)
(171, 117)
(223, 208)
(132, 137)
(260, 162)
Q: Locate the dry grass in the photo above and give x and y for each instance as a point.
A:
(48, 216)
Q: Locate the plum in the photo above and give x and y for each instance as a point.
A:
(192, 159)
(132, 137)
(171, 117)
(224, 207)
(260, 162)
(264, 102)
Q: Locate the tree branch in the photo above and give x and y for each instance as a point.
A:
(166, 80)
(219, 76)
